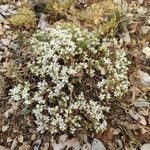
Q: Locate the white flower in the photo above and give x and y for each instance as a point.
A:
(71, 66)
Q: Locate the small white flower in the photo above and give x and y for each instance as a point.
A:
(70, 63)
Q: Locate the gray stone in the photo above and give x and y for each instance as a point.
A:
(145, 146)
(97, 145)
(145, 29)
(126, 37)
(142, 10)
(37, 144)
(6, 41)
(141, 103)
(3, 148)
(14, 144)
(2, 19)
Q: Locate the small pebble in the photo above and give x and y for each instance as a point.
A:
(20, 139)
(140, 102)
(142, 10)
(24, 147)
(145, 29)
(5, 41)
(97, 145)
(1, 30)
(2, 19)
(9, 140)
(15, 131)
(14, 144)
(33, 137)
(18, 4)
(146, 51)
(126, 37)
(46, 146)
(36, 145)
(5, 128)
(3, 148)
(141, 1)
(145, 146)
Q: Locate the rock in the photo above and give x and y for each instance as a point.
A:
(15, 36)
(9, 32)
(1, 31)
(14, 144)
(33, 137)
(63, 137)
(141, 103)
(126, 37)
(5, 128)
(9, 37)
(146, 51)
(6, 26)
(142, 10)
(2, 19)
(3, 148)
(15, 131)
(149, 119)
(20, 139)
(4, 8)
(68, 143)
(137, 117)
(19, 4)
(5, 41)
(9, 140)
(46, 146)
(7, 9)
(13, 46)
(145, 146)
(141, 1)
(24, 147)
(36, 145)
(119, 143)
(144, 78)
(148, 20)
(86, 146)
(43, 24)
(97, 145)
(145, 29)
(144, 112)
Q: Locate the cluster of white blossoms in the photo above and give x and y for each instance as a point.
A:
(75, 74)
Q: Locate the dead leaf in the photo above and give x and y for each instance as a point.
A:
(11, 110)
(137, 117)
(135, 91)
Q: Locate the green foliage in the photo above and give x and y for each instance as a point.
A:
(25, 17)
(57, 6)
(115, 22)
